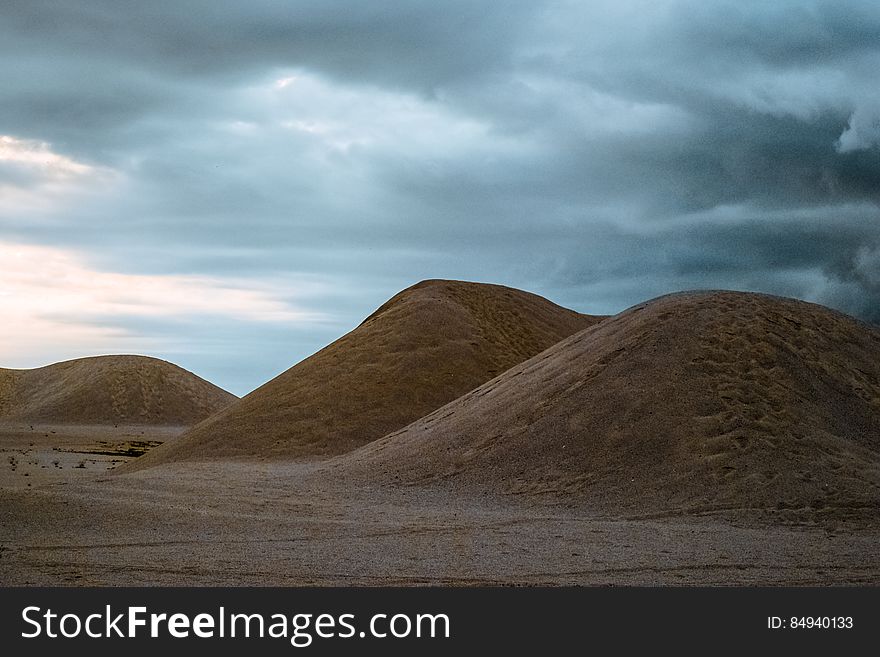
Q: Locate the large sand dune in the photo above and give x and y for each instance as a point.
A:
(426, 346)
(696, 402)
(130, 390)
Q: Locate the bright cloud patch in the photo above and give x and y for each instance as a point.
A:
(37, 155)
(863, 131)
(50, 297)
(33, 177)
(368, 117)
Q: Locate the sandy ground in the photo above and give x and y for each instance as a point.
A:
(287, 523)
(32, 455)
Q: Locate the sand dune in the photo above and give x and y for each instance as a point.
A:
(425, 347)
(694, 402)
(131, 390)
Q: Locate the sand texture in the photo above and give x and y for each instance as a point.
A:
(426, 346)
(284, 523)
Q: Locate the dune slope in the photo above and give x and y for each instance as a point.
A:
(108, 390)
(423, 348)
(696, 401)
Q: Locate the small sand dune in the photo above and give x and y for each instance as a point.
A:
(426, 346)
(129, 390)
(696, 402)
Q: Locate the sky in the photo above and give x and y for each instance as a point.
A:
(232, 185)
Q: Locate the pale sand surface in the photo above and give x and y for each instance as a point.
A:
(284, 523)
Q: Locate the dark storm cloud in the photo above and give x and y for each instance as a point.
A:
(815, 33)
(598, 152)
(828, 255)
(419, 43)
(82, 66)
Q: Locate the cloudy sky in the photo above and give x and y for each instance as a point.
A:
(230, 185)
